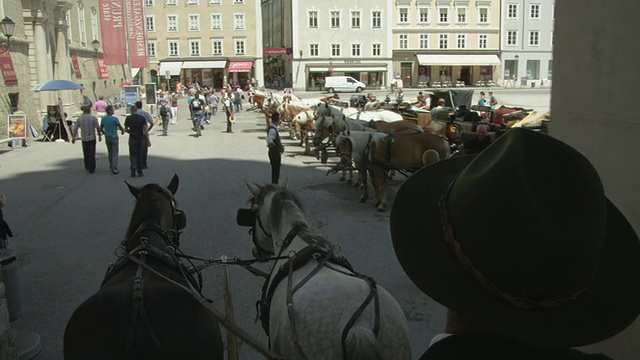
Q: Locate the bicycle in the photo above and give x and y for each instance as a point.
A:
(197, 123)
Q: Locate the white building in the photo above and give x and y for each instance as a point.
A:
(527, 42)
(319, 39)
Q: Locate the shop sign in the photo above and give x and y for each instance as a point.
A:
(276, 51)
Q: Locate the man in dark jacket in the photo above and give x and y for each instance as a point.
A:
(275, 147)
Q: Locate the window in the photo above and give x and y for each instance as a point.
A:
(550, 70)
(403, 41)
(444, 41)
(355, 19)
(218, 2)
(313, 50)
(67, 17)
(376, 19)
(482, 41)
(403, 15)
(313, 19)
(238, 21)
(512, 37)
(534, 11)
(355, 50)
(172, 23)
(171, 2)
(173, 48)
(553, 11)
(512, 11)
(533, 69)
(534, 38)
(335, 50)
(510, 69)
(335, 19)
(376, 49)
(462, 15)
(192, 2)
(237, 2)
(216, 21)
(483, 15)
(194, 22)
(461, 41)
(148, 2)
(423, 16)
(151, 48)
(424, 41)
(194, 47)
(551, 37)
(82, 25)
(443, 15)
(239, 46)
(216, 47)
(94, 24)
(151, 23)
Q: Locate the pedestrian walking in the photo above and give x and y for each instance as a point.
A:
(165, 115)
(110, 126)
(149, 119)
(138, 128)
(88, 126)
(174, 108)
(213, 101)
(228, 108)
(275, 147)
(5, 230)
(100, 107)
(86, 102)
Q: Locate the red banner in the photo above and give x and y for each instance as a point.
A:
(137, 38)
(112, 23)
(103, 71)
(6, 65)
(76, 66)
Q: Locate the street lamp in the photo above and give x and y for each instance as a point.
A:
(95, 44)
(515, 74)
(7, 26)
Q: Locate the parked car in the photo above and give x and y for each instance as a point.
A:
(335, 84)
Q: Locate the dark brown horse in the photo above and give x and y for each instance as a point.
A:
(137, 314)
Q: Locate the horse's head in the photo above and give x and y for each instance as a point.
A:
(344, 147)
(264, 216)
(156, 209)
(324, 128)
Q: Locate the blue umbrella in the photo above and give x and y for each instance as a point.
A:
(54, 85)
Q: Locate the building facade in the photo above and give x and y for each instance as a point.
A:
(53, 40)
(527, 42)
(209, 42)
(331, 38)
(446, 42)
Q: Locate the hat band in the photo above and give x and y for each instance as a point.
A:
(487, 285)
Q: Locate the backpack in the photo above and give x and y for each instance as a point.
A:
(163, 111)
(196, 104)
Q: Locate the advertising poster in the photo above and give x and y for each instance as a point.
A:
(131, 95)
(137, 34)
(17, 126)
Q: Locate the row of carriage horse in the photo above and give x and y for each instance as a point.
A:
(376, 142)
(314, 304)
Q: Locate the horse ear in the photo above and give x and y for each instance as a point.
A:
(284, 182)
(173, 185)
(253, 188)
(133, 190)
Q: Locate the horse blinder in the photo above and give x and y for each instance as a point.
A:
(180, 219)
(245, 217)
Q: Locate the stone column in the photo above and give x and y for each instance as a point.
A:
(43, 65)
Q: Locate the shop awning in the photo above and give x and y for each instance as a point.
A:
(172, 67)
(213, 64)
(134, 72)
(348, 69)
(458, 60)
(240, 66)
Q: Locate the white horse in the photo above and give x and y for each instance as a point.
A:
(351, 146)
(318, 307)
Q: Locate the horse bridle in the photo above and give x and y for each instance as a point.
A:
(251, 218)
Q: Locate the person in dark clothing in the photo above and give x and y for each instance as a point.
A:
(5, 230)
(275, 147)
(480, 142)
(136, 126)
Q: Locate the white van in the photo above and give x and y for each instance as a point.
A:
(334, 84)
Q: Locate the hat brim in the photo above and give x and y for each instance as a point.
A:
(609, 305)
(232, 118)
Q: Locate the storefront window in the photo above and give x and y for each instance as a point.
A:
(550, 73)
(510, 69)
(533, 69)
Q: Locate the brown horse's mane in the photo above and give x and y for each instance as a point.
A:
(145, 208)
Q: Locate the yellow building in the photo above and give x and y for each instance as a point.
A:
(209, 42)
(446, 43)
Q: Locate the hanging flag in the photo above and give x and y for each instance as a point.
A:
(76, 65)
(103, 71)
(137, 38)
(112, 23)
